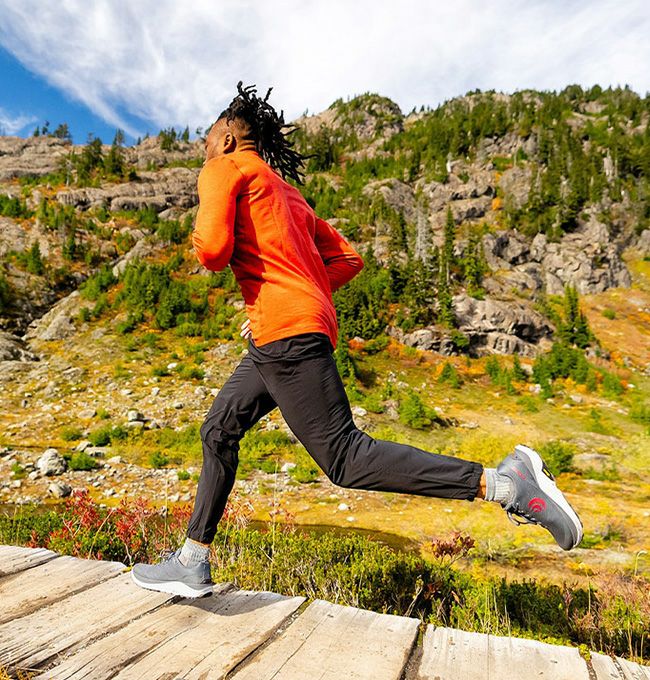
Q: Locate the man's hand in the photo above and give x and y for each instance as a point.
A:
(246, 332)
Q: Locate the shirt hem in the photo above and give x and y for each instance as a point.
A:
(296, 330)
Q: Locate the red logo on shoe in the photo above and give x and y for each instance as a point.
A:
(520, 474)
(537, 504)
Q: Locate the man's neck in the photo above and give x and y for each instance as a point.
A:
(245, 145)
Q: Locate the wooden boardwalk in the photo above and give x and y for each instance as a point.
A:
(63, 617)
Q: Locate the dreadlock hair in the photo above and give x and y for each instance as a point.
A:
(264, 126)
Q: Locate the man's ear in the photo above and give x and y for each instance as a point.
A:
(229, 142)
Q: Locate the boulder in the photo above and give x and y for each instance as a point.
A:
(59, 489)
(496, 326)
(141, 250)
(95, 451)
(51, 463)
(429, 338)
(643, 244)
(13, 348)
(397, 195)
(505, 249)
(58, 323)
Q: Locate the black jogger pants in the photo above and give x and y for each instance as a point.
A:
(313, 402)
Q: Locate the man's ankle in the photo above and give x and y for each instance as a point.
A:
(481, 487)
(194, 552)
(497, 487)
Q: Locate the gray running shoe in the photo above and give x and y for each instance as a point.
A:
(171, 576)
(535, 498)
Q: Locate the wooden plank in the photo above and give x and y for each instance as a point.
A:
(450, 654)
(331, 642)
(605, 668)
(210, 635)
(24, 592)
(34, 639)
(235, 628)
(14, 558)
(633, 671)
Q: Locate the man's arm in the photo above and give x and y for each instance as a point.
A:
(342, 262)
(213, 237)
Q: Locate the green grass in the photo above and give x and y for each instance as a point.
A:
(80, 460)
(70, 433)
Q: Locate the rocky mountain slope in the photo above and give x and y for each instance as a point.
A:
(472, 219)
(485, 186)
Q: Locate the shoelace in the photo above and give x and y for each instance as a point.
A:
(166, 554)
(515, 516)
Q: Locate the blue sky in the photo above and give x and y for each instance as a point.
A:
(143, 66)
(28, 101)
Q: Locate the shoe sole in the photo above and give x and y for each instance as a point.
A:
(174, 587)
(549, 487)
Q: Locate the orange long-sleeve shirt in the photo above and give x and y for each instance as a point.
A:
(286, 260)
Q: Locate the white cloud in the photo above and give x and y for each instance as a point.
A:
(10, 124)
(176, 63)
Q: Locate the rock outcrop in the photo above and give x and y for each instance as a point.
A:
(31, 157)
(643, 244)
(12, 348)
(490, 326)
(430, 338)
(588, 259)
(379, 117)
(501, 327)
(169, 187)
(58, 323)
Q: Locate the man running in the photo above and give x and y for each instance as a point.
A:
(288, 262)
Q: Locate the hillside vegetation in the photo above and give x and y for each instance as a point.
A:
(505, 298)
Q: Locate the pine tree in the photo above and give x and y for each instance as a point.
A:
(70, 248)
(474, 266)
(419, 292)
(398, 240)
(5, 293)
(63, 132)
(34, 259)
(89, 160)
(574, 328)
(518, 372)
(114, 161)
(448, 245)
(445, 303)
(322, 150)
